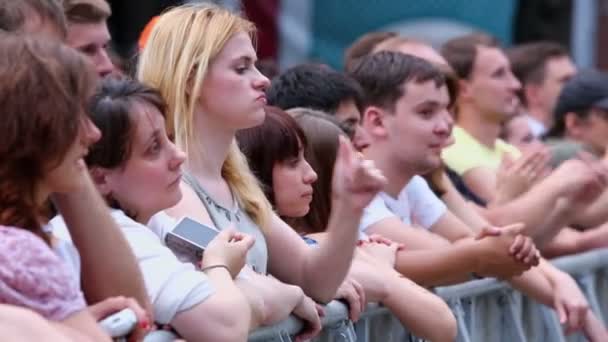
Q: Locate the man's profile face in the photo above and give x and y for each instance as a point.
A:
(92, 39)
(592, 130)
(349, 115)
(420, 125)
(492, 87)
(558, 71)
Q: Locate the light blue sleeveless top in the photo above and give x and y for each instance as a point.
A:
(222, 218)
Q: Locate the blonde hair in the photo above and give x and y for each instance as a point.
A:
(176, 60)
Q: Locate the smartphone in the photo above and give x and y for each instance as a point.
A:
(119, 324)
(189, 239)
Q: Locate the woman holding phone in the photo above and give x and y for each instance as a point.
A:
(202, 59)
(137, 170)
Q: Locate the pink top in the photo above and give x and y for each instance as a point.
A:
(33, 276)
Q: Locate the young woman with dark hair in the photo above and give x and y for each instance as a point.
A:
(279, 152)
(137, 169)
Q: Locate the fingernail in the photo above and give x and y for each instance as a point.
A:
(144, 324)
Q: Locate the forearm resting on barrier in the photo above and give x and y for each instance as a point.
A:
(332, 259)
(571, 241)
(422, 313)
(270, 300)
(434, 267)
(318, 271)
(537, 209)
(595, 214)
(456, 264)
(224, 316)
(535, 285)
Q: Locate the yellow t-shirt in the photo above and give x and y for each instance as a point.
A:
(468, 153)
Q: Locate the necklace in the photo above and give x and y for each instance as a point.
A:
(210, 203)
(221, 209)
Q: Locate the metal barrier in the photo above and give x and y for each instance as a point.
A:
(486, 310)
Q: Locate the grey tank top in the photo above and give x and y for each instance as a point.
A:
(222, 217)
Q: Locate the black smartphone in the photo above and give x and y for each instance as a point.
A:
(189, 239)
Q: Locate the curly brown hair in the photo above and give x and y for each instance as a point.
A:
(43, 94)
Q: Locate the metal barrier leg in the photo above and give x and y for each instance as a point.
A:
(517, 331)
(554, 328)
(343, 332)
(351, 335)
(532, 318)
(463, 332)
(493, 317)
(284, 337)
(362, 330)
(587, 284)
(601, 288)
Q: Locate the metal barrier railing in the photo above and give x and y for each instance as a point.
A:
(486, 310)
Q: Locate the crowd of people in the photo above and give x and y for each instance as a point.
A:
(411, 168)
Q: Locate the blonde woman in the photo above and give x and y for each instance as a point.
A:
(202, 60)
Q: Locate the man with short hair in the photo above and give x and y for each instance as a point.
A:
(530, 208)
(408, 123)
(321, 88)
(580, 125)
(407, 119)
(363, 46)
(88, 31)
(487, 98)
(411, 46)
(542, 68)
(581, 117)
(43, 17)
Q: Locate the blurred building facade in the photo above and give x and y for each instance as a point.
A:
(294, 31)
